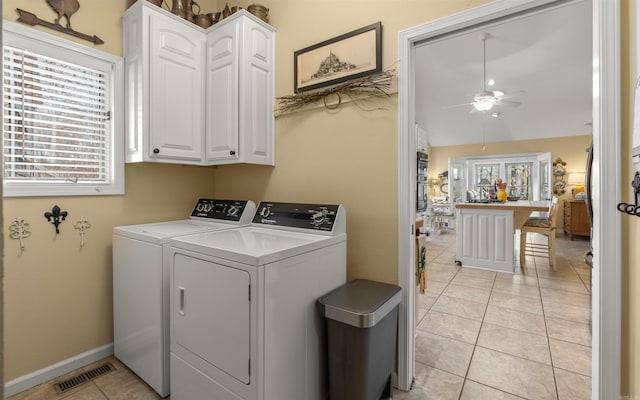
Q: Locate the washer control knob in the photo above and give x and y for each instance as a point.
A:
(233, 211)
(156, 150)
(199, 207)
(319, 217)
(265, 212)
(207, 207)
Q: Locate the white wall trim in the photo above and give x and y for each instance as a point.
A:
(606, 238)
(58, 369)
(606, 232)
(406, 227)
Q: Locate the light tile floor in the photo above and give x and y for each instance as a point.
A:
(486, 335)
(481, 335)
(121, 384)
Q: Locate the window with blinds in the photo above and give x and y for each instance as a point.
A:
(58, 121)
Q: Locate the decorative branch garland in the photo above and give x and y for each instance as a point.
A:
(375, 85)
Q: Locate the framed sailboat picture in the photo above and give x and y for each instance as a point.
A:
(342, 58)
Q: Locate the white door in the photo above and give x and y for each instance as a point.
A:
(176, 101)
(211, 314)
(457, 180)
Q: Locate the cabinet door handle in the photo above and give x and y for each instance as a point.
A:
(232, 152)
(156, 151)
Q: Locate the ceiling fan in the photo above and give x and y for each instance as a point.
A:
(487, 99)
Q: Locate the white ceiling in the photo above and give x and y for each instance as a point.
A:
(543, 59)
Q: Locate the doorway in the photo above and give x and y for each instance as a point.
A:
(606, 232)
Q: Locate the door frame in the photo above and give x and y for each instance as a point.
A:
(606, 232)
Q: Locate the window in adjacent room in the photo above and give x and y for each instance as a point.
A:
(62, 131)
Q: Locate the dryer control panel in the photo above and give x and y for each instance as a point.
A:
(226, 210)
(316, 217)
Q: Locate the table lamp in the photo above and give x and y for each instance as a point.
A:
(576, 179)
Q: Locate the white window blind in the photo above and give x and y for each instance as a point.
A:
(56, 121)
(61, 135)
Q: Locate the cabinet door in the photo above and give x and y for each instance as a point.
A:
(222, 95)
(579, 219)
(176, 92)
(257, 94)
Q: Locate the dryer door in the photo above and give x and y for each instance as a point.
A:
(211, 314)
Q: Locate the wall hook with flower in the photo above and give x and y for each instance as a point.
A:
(81, 226)
(19, 229)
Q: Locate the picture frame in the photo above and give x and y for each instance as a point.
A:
(339, 59)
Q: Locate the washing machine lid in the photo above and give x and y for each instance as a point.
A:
(207, 215)
(161, 232)
(254, 245)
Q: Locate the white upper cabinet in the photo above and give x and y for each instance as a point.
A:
(176, 91)
(240, 76)
(198, 96)
(223, 93)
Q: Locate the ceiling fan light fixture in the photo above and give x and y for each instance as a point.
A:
(484, 101)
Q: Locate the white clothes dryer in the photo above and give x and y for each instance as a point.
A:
(244, 321)
(141, 285)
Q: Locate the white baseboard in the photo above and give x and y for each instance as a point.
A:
(53, 371)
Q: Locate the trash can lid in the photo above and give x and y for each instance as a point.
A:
(361, 303)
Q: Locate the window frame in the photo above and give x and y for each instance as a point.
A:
(472, 162)
(23, 37)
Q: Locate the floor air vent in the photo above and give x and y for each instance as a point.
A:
(68, 384)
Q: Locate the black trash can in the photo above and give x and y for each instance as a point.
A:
(362, 325)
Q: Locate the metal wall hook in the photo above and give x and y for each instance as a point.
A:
(82, 225)
(632, 209)
(56, 217)
(19, 229)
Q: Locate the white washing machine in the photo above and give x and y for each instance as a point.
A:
(141, 285)
(244, 321)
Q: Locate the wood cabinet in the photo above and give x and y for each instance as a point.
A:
(195, 96)
(576, 219)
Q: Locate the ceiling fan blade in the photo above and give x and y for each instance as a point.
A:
(509, 103)
(457, 105)
(509, 95)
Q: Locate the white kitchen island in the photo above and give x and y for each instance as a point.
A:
(486, 232)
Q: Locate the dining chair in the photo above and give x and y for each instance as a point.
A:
(545, 225)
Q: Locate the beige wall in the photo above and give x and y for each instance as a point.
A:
(570, 149)
(347, 156)
(58, 297)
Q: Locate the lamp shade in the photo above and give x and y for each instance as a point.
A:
(576, 178)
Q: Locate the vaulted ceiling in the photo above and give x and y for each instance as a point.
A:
(542, 60)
